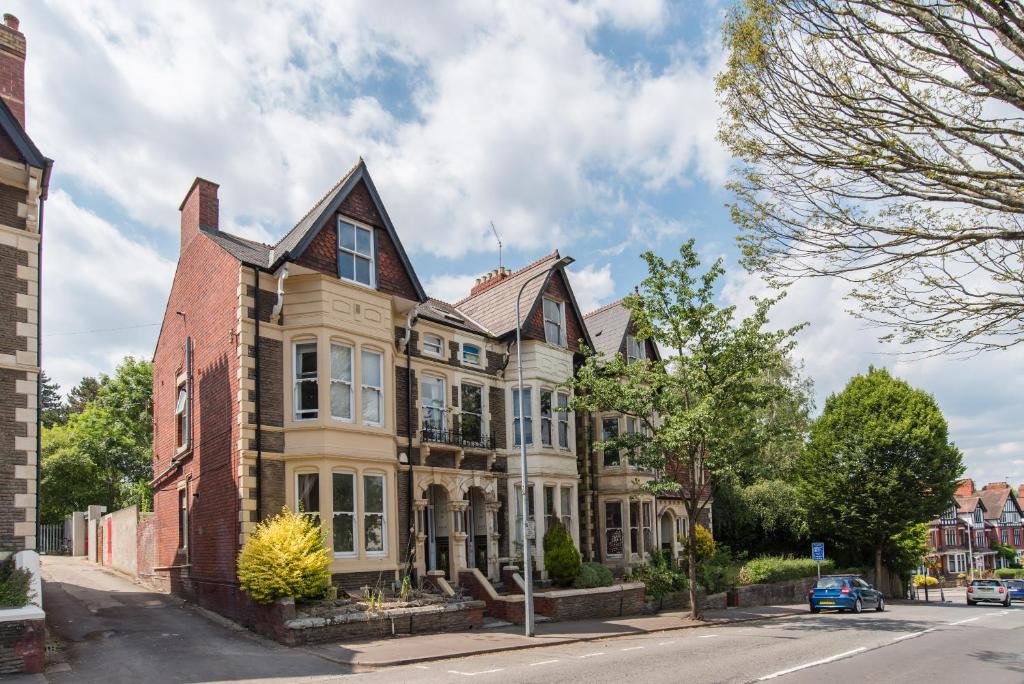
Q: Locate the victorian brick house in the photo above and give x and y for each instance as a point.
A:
(316, 374)
(973, 524)
(24, 178)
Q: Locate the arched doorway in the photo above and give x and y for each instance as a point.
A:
(476, 529)
(668, 533)
(438, 549)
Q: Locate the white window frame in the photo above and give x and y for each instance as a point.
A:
(622, 533)
(1016, 536)
(355, 517)
(978, 516)
(372, 256)
(299, 414)
(634, 524)
(464, 412)
(443, 408)
(550, 513)
(635, 349)
(531, 505)
(383, 513)
(364, 387)
(479, 354)
(560, 342)
(646, 527)
(950, 534)
(563, 421)
(342, 382)
(547, 420)
(440, 345)
(604, 450)
(298, 494)
(528, 410)
(564, 511)
(181, 418)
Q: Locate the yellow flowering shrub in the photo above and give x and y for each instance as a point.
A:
(285, 556)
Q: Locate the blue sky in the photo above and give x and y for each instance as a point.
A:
(588, 127)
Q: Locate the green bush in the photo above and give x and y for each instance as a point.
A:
(660, 575)
(285, 556)
(705, 543)
(921, 580)
(15, 585)
(561, 559)
(778, 568)
(1010, 573)
(593, 575)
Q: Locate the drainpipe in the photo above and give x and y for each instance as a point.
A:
(39, 362)
(409, 321)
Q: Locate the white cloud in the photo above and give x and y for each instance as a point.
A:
(450, 288)
(95, 279)
(593, 285)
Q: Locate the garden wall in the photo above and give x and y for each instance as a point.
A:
(774, 594)
(279, 622)
(680, 600)
(23, 630)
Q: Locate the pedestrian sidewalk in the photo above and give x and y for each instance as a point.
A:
(421, 648)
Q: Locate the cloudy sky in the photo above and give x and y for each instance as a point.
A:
(587, 127)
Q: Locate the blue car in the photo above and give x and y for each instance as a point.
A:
(1015, 588)
(844, 593)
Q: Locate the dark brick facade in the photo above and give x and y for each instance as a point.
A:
(534, 327)
(353, 582)
(496, 408)
(22, 646)
(272, 487)
(10, 287)
(9, 458)
(9, 199)
(271, 381)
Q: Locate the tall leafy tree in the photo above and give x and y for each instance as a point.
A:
(883, 142)
(84, 392)
(879, 461)
(691, 402)
(53, 409)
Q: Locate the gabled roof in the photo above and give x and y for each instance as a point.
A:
(444, 313)
(967, 504)
(23, 143)
(994, 500)
(607, 327)
(495, 307)
(295, 242)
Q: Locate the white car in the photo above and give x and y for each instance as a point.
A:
(992, 590)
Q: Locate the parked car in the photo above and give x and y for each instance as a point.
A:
(844, 592)
(991, 590)
(1015, 588)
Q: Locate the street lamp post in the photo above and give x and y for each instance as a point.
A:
(523, 471)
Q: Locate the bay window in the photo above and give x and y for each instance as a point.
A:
(341, 381)
(609, 431)
(549, 506)
(527, 416)
(471, 398)
(566, 503)
(545, 417)
(634, 527)
(307, 495)
(372, 363)
(355, 254)
(307, 388)
(563, 420)
(648, 527)
(344, 513)
(374, 527)
(433, 402)
(613, 529)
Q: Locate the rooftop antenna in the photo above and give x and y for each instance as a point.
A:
(496, 237)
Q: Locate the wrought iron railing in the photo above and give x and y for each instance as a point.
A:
(460, 438)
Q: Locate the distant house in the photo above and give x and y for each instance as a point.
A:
(24, 179)
(974, 521)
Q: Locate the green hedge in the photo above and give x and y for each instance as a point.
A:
(593, 575)
(1010, 573)
(778, 568)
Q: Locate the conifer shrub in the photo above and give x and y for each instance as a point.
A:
(593, 575)
(15, 585)
(285, 556)
(561, 559)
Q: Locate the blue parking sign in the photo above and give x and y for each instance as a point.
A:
(818, 551)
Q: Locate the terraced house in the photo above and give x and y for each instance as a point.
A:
(316, 374)
(974, 523)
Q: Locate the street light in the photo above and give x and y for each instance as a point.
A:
(523, 472)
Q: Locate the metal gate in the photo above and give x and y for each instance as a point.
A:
(53, 539)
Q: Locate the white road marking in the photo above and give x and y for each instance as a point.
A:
(960, 622)
(666, 643)
(709, 636)
(474, 674)
(813, 664)
(633, 648)
(544, 662)
(421, 667)
(915, 634)
(591, 655)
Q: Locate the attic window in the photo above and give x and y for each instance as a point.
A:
(355, 254)
(635, 349)
(554, 322)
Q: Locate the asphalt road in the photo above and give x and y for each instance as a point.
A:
(907, 643)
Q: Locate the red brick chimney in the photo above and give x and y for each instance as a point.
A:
(965, 487)
(199, 209)
(12, 66)
(997, 485)
(489, 280)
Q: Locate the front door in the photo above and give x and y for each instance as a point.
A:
(431, 539)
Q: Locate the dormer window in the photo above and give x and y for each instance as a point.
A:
(635, 349)
(977, 516)
(433, 345)
(355, 254)
(471, 354)
(554, 322)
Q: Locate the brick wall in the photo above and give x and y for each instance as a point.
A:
(12, 70)
(22, 646)
(9, 199)
(272, 487)
(10, 287)
(353, 582)
(10, 460)
(496, 407)
(205, 289)
(586, 604)
(272, 385)
(402, 402)
(558, 289)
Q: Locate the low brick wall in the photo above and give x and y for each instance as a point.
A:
(22, 640)
(774, 594)
(280, 622)
(585, 604)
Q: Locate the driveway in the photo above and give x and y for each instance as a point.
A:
(117, 631)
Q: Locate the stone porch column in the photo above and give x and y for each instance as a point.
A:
(457, 537)
(419, 516)
(493, 509)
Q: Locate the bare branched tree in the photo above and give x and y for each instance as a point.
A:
(882, 141)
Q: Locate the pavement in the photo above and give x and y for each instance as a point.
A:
(115, 630)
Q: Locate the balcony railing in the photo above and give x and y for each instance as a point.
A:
(465, 439)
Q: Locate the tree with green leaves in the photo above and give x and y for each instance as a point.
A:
(883, 143)
(53, 409)
(691, 402)
(84, 392)
(103, 454)
(879, 461)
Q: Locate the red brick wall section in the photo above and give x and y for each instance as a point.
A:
(322, 253)
(205, 289)
(199, 208)
(557, 289)
(12, 69)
